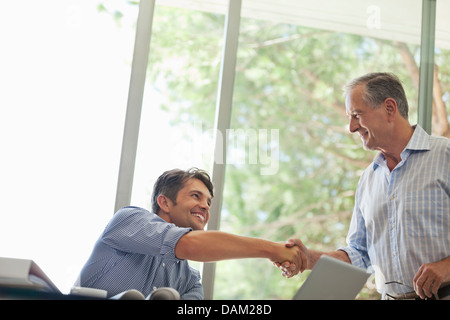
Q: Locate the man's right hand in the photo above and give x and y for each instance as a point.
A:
(299, 263)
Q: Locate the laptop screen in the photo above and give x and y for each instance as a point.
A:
(332, 279)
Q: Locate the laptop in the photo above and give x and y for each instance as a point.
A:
(332, 279)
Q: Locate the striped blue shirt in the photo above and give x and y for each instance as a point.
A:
(137, 251)
(401, 218)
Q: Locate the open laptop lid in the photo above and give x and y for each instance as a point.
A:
(332, 279)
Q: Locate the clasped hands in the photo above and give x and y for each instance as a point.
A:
(298, 264)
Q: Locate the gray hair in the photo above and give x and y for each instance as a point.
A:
(378, 87)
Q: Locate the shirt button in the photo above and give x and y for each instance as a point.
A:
(163, 264)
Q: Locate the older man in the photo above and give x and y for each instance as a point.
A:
(401, 219)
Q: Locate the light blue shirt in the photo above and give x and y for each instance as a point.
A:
(401, 218)
(137, 251)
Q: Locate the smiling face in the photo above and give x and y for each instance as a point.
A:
(369, 123)
(191, 208)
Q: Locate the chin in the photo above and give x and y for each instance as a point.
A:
(197, 228)
(368, 146)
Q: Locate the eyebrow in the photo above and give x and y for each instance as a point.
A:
(356, 111)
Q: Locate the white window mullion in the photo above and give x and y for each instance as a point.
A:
(222, 123)
(134, 104)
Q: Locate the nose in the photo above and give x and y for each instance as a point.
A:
(205, 204)
(353, 125)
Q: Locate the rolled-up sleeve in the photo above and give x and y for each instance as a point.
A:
(171, 238)
(136, 230)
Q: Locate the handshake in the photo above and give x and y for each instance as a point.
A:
(302, 259)
(297, 260)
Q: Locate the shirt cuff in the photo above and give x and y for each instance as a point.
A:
(356, 257)
(171, 239)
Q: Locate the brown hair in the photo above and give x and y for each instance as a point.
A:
(172, 181)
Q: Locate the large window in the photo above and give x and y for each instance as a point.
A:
(65, 69)
(176, 129)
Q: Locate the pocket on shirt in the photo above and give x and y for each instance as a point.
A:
(424, 215)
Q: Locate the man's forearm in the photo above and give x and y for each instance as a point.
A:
(210, 246)
(313, 256)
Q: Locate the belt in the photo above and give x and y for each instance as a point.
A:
(443, 294)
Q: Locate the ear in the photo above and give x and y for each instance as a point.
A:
(390, 106)
(163, 203)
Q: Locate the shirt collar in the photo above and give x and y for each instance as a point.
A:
(419, 141)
